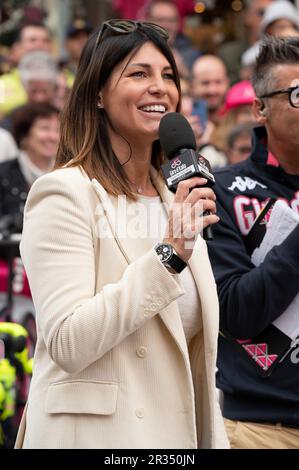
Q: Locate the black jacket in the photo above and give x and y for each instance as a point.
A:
(13, 188)
(250, 297)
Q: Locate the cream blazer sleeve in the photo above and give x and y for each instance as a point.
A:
(78, 324)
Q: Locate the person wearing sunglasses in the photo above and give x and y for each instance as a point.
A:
(127, 322)
(261, 402)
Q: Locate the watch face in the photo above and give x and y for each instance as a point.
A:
(164, 252)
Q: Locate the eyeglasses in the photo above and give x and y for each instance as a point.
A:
(292, 91)
(128, 26)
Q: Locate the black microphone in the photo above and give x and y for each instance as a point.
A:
(178, 143)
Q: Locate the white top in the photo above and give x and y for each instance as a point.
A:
(30, 171)
(189, 303)
(8, 147)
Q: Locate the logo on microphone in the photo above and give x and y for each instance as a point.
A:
(175, 163)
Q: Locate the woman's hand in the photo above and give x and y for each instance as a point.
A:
(186, 216)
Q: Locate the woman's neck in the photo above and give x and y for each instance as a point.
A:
(136, 161)
(43, 164)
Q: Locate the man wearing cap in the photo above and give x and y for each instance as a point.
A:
(259, 380)
(237, 110)
(76, 37)
(240, 98)
(280, 19)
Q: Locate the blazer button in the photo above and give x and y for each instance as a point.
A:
(140, 413)
(141, 352)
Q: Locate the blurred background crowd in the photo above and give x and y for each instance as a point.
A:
(215, 44)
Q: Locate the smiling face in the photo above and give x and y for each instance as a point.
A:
(40, 91)
(35, 38)
(139, 92)
(210, 81)
(41, 143)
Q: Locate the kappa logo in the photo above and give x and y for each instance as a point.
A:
(245, 183)
(175, 163)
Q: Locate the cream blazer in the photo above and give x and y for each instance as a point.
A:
(112, 368)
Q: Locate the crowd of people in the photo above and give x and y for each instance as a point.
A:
(128, 312)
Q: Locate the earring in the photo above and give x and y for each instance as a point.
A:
(100, 101)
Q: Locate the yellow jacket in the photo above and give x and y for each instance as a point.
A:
(12, 92)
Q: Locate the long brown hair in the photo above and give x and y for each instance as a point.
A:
(84, 128)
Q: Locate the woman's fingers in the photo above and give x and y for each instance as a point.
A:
(200, 193)
(185, 186)
(193, 209)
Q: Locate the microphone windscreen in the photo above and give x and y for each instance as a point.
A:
(175, 133)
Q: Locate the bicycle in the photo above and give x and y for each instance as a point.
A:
(16, 342)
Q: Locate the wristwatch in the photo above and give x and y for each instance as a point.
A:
(169, 258)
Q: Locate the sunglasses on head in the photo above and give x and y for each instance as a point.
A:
(128, 26)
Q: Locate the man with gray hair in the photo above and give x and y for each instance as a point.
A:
(39, 75)
(258, 355)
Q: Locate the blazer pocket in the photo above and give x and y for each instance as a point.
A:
(82, 397)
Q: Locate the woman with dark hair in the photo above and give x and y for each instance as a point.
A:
(36, 133)
(124, 358)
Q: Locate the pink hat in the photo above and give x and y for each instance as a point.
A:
(238, 94)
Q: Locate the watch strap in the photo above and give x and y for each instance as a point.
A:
(177, 263)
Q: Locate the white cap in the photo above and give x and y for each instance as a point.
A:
(38, 65)
(280, 9)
